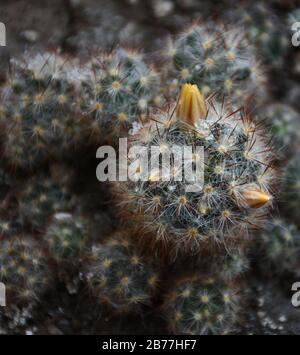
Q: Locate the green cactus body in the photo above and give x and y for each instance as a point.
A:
(118, 275)
(200, 306)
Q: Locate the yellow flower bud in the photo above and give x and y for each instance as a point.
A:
(252, 196)
(191, 106)
(256, 198)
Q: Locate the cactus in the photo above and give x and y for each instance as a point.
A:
(23, 270)
(266, 32)
(52, 106)
(40, 109)
(198, 305)
(291, 190)
(120, 88)
(238, 175)
(67, 236)
(217, 60)
(279, 249)
(284, 126)
(118, 275)
(228, 267)
(39, 198)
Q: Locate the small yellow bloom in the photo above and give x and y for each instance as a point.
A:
(191, 106)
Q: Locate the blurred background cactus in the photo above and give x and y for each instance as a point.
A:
(291, 189)
(80, 256)
(279, 248)
(284, 125)
(120, 88)
(217, 59)
(198, 305)
(39, 109)
(119, 275)
(25, 274)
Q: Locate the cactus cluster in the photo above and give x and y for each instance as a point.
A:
(51, 105)
(177, 240)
